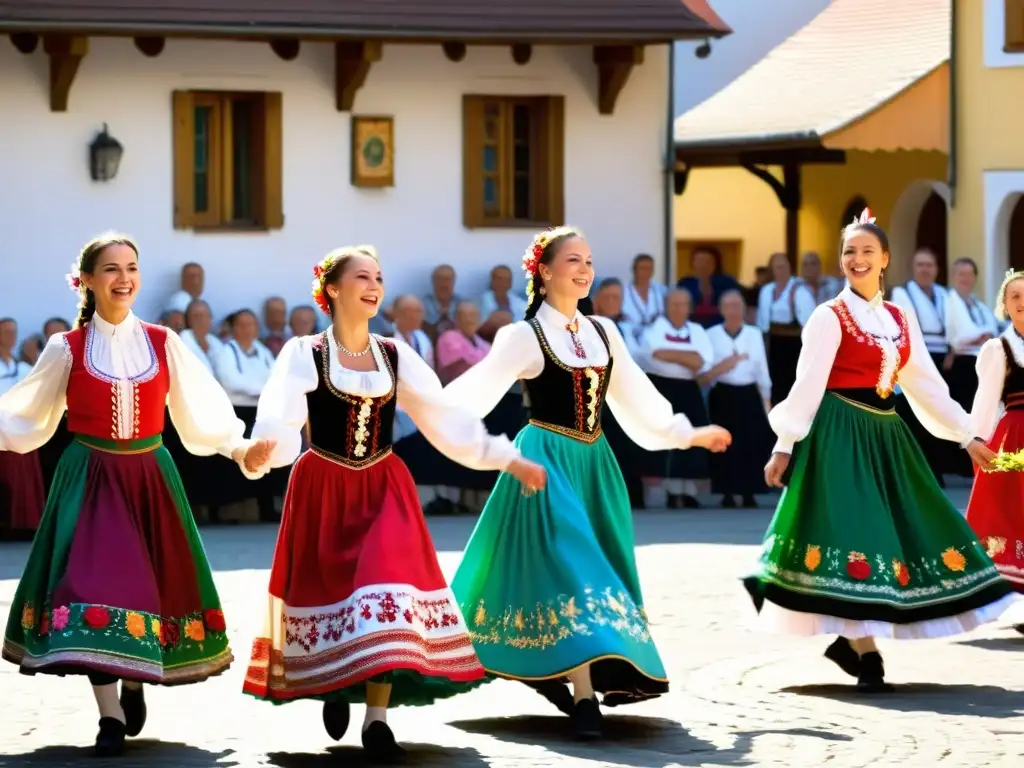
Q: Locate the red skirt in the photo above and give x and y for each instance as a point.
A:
(356, 593)
(996, 508)
(22, 495)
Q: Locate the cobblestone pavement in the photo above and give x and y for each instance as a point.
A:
(738, 698)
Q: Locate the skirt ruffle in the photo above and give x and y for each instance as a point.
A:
(548, 581)
(865, 542)
(117, 579)
(996, 508)
(357, 595)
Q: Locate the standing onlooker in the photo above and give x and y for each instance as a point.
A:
(498, 305)
(275, 324)
(22, 493)
(55, 325)
(675, 350)
(706, 284)
(783, 308)
(752, 294)
(440, 304)
(644, 301)
(30, 349)
(822, 287)
(192, 279)
(739, 401)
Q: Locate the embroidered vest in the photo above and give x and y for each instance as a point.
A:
(1013, 387)
(352, 430)
(564, 399)
(860, 360)
(94, 398)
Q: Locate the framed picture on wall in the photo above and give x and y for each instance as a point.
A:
(373, 151)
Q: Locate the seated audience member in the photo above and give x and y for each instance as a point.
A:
(440, 304)
(302, 321)
(498, 305)
(173, 319)
(408, 312)
(30, 349)
(193, 278)
(275, 324)
(198, 334)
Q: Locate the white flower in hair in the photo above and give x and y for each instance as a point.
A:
(864, 218)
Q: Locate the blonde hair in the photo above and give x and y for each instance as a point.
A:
(1000, 308)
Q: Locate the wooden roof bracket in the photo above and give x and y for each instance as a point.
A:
(352, 62)
(614, 65)
(790, 197)
(66, 53)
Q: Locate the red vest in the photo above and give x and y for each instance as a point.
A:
(93, 397)
(859, 360)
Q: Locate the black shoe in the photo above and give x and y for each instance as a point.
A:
(379, 743)
(842, 653)
(110, 739)
(872, 674)
(336, 718)
(556, 692)
(728, 502)
(749, 502)
(133, 702)
(690, 502)
(586, 719)
(1019, 628)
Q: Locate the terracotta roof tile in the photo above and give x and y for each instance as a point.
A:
(661, 20)
(851, 58)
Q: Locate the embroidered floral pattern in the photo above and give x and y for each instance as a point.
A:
(194, 630)
(28, 616)
(96, 617)
(381, 610)
(857, 566)
(544, 625)
(954, 560)
(899, 570)
(61, 616)
(890, 349)
(361, 433)
(995, 545)
(593, 387)
(135, 623)
(812, 558)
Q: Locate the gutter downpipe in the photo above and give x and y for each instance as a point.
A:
(670, 165)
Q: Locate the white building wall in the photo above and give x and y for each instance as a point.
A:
(614, 184)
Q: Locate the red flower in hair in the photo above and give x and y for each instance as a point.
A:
(532, 258)
(318, 271)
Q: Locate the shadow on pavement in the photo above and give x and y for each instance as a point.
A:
(416, 754)
(1012, 643)
(148, 752)
(970, 700)
(642, 742)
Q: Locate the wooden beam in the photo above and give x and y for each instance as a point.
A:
(352, 62)
(522, 53)
(614, 65)
(66, 53)
(711, 158)
(150, 46)
(790, 196)
(25, 42)
(454, 51)
(286, 48)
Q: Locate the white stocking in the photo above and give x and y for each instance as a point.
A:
(108, 702)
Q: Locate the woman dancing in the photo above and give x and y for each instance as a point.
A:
(117, 585)
(548, 581)
(996, 507)
(358, 609)
(864, 543)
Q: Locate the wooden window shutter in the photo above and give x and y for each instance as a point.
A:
(183, 161)
(472, 161)
(554, 167)
(1014, 26)
(273, 162)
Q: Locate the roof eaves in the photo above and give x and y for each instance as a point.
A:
(809, 138)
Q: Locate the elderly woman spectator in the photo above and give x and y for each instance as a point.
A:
(644, 300)
(198, 333)
(409, 313)
(675, 351)
(441, 302)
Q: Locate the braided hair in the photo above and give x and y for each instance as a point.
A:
(87, 263)
(542, 250)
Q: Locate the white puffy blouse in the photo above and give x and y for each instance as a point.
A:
(642, 412)
(282, 410)
(200, 410)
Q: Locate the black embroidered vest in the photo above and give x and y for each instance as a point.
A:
(1013, 387)
(351, 430)
(564, 399)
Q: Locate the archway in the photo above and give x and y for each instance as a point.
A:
(918, 221)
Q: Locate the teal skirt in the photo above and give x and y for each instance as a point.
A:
(548, 582)
(864, 541)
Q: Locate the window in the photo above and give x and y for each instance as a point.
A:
(1013, 27)
(227, 160)
(513, 161)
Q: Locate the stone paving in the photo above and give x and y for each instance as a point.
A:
(738, 698)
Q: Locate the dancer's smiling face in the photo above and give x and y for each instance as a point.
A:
(359, 286)
(571, 270)
(1013, 302)
(863, 258)
(114, 278)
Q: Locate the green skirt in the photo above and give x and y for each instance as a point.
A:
(548, 582)
(865, 543)
(117, 581)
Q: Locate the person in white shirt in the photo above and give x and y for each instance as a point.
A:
(675, 351)
(644, 300)
(739, 400)
(198, 334)
(822, 287)
(783, 309)
(499, 306)
(243, 367)
(22, 493)
(969, 324)
(192, 279)
(925, 300)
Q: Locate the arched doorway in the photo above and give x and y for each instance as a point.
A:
(932, 232)
(1017, 235)
(854, 209)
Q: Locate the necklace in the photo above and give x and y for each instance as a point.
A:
(349, 352)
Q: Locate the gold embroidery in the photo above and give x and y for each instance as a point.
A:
(583, 437)
(361, 432)
(546, 624)
(594, 382)
(349, 463)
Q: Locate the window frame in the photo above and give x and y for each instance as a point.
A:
(1013, 26)
(547, 142)
(266, 161)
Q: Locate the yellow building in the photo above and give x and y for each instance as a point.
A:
(851, 109)
(986, 218)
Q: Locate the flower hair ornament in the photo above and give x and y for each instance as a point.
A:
(864, 218)
(1000, 308)
(74, 278)
(532, 257)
